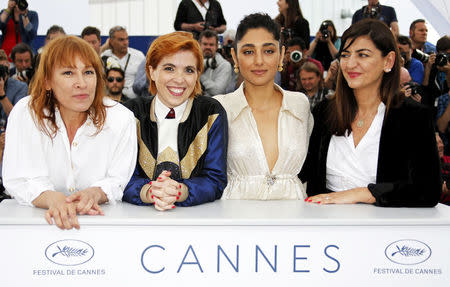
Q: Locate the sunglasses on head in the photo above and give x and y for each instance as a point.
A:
(111, 79)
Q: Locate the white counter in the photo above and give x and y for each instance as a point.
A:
(262, 243)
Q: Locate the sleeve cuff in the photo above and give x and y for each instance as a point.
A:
(143, 194)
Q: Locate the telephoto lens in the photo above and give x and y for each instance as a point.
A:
(419, 55)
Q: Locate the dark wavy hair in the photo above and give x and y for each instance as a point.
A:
(255, 21)
(343, 106)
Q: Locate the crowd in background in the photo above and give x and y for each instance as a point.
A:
(310, 67)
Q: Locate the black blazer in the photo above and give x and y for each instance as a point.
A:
(408, 171)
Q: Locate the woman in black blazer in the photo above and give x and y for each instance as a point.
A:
(368, 125)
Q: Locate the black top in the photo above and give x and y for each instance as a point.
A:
(301, 30)
(386, 14)
(408, 171)
(188, 13)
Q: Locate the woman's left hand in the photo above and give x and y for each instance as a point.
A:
(88, 200)
(355, 195)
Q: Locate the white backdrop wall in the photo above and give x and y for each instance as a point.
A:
(155, 17)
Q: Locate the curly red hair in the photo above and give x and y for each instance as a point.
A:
(59, 52)
(170, 44)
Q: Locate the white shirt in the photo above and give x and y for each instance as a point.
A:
(249, 176)
(34, 163)
(136, 58)
(349, 166)
(203, 9)
(168, 128)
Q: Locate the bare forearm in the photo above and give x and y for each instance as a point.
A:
(6, 105)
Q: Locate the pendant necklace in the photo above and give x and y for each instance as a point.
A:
(359, 123)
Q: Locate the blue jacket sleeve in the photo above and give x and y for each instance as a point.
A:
(132, 192)
(212, 179)
(416, 72)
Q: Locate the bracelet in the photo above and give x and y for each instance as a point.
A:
(2, 97)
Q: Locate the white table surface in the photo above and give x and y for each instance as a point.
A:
(242, 212)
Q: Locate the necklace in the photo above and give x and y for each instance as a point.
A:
(359, 123)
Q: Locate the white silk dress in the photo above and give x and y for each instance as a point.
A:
(249, 176)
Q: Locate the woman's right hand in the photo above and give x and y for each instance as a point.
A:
(165, 191)
(63, 214)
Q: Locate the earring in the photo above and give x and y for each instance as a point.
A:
(387, 70)
(280, 67)
(236, 69)
(48, 93)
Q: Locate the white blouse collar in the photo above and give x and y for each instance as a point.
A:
(289, 103)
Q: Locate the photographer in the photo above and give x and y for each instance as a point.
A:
(292, 22)
(437, 73)
(408, 87)
(217, 73)
(311, 83)
(197, 15)
(22, 56)
(18, 24)
(418, 33)
(414, 66)
(11, 90)
(294, 58)
(325, 45)
(377, 11)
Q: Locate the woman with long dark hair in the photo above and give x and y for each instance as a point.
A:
(292, 22)
(370, 144)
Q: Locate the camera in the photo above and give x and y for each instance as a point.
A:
(4, 72)
(415, 88)
(21, 4)
(227, 49)
(441, 59)
(286, 33)
(419, 55)
(372, 12)
(324, 30)
(296, 56)
(27, 74)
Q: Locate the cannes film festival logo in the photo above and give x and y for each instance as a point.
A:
(408, 252)
(69, 252)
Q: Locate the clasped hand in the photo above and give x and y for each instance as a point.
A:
(63, 210)
(164, 191)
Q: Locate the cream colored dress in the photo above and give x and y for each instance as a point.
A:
(249, 176)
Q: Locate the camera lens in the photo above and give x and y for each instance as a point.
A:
(296, 56)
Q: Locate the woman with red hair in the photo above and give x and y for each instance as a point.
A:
(182, 136)
(68, 147)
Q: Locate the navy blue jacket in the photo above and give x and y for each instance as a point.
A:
(202, 150)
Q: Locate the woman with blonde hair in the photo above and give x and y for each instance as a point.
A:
(68, 147)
